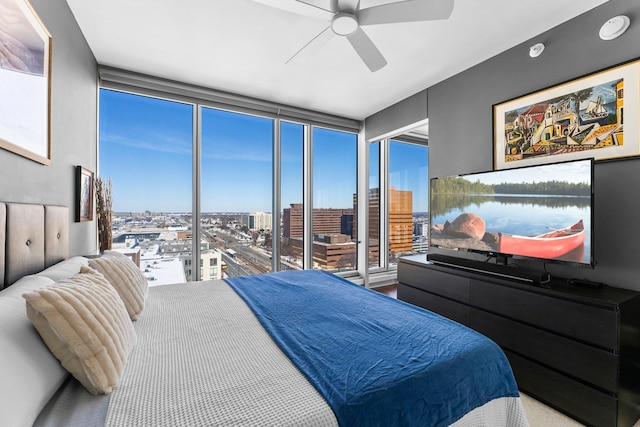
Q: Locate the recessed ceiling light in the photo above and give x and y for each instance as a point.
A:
(536, 50)
(614, 27)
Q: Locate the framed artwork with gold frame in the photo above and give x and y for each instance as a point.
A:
(593, 116)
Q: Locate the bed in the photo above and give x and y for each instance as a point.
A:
(303, 348)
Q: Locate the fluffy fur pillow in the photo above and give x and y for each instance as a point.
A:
(125, 277)
(84, 323)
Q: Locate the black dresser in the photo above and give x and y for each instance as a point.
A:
(576, 349)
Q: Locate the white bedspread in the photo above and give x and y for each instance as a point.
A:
(203, 359)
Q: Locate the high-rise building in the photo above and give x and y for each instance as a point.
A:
(400, 221)
(325, 221)
(333, 245)
(421, 229)
(259, 221)
(292, 221)
(346, 224)
(330, 251)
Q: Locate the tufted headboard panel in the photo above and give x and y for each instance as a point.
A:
(32, 238)
(56, 239)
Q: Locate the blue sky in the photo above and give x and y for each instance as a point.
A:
(408, 171)
(146, 149)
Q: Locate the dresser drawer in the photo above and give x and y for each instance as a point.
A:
(442, 306)
(576, 349)
(590, 364)
(591, 324)
(589, 405)
(452, 286)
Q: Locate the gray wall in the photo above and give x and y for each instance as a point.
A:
(407, 112)
(73, 127)
(461, 127)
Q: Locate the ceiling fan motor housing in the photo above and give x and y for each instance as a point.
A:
(344, 23)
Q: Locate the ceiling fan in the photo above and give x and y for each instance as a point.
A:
(345, 18)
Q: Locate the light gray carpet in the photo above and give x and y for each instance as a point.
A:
(540, 415)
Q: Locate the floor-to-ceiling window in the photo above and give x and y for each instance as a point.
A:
(408, 199)
(236, 190)
(374, 205)
(146, 149)
(292, 142)
(334, 199)
(398, 200)
(194, 187)
(165, 157)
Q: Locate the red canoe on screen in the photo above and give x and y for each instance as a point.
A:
(549, 245)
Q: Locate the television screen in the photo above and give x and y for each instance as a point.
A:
(542, 212)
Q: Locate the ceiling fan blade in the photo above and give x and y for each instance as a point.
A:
(315, 43)
(299, 8)
(347, 5)
(368, 51)
(406, 11)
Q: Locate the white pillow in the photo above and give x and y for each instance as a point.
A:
(84, 323)
(125, 277)
(64, 269)
(29, 373)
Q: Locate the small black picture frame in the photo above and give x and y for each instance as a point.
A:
(84, 194)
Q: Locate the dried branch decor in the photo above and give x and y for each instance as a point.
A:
(103, 211)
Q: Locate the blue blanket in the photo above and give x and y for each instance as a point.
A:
(376, 361)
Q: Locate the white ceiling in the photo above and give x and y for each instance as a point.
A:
(241, 46)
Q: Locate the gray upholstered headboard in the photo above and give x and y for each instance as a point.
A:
(32, 238)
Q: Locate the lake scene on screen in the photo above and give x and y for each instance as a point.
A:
(523, 202)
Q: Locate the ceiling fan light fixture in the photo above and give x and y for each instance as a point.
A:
(344, 24)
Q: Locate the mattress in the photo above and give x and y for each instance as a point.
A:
(376, 360)
(203, 359)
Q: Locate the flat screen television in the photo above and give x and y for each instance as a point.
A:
(541, 212)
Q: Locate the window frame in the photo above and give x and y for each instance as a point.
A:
(382, 271)
(199, 98)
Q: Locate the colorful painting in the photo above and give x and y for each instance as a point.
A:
(579, 119)
(25, 81)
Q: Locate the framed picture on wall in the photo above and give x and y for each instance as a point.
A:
(25, 82)
(84, 194)
(593, 116)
